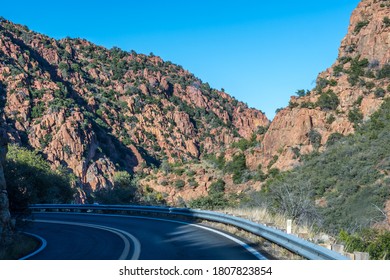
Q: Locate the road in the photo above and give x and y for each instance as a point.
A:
(76, 236)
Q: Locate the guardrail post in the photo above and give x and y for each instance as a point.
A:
(361, 256)
(338, 248)
(289, 226)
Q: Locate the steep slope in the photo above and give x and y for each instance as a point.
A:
(348, 184)
(346, 94)
(345, 97)
(97, 111)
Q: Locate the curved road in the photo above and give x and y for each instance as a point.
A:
(75, 236)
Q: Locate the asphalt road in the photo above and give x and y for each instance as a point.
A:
(72, 236)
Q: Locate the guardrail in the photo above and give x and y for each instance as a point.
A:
(292, 243)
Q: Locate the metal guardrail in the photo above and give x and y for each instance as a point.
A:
(292, 243)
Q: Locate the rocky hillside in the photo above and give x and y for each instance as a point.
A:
(346, 94)
(99, 112)
(96, 111)
(344, 98)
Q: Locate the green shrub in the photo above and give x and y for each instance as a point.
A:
(272, 162)
(355, 116)
(179, 171)
(380, 92)
(179, 184)
(293, 104)
(386, 21)
(328, 100)
(330, 119)
(273, 172)
(314, 138)
(217, 187)
(360, 25)
(31, 180)
(192, 183)
(337, 70)
(124, 191)
(375, 242)
(334, 138)
(217, 162)
(309, 105)
(384, 72)
(38, 110)
(75, 67)
(357, 69)
(261, 130)
(244, 144)
(302, 92)
(190, 173)
(209, 202)
(237, 163)
(237, 167)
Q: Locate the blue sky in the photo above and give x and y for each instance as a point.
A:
(260, 52)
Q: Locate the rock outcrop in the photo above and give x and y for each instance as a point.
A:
(346, 94)
(5, 217)
(96, 111)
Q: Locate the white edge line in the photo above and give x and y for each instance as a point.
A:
(243, 244)
(40, 249)
(120, 233)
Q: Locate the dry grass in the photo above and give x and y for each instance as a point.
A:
(262, 216)
(21, 246)
(267, 248)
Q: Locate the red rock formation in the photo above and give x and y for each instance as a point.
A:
(368, 38)
(96, 111)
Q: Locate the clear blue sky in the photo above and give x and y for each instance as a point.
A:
(260, 52)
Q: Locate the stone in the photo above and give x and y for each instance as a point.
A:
(5, 216)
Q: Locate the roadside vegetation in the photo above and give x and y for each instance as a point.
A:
(341, 191)
(20, 246)
(31, 180)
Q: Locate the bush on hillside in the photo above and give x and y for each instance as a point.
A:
(124, 191)
(30, 180)
(375, 242)
(328, 100)
(348, 178)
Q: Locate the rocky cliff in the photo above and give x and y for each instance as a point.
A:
(96, 111)
(346, 94)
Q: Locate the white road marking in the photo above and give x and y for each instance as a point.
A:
(243, 244)
(40, 249)
(120, 233)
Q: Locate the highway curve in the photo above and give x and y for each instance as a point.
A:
(76, 236)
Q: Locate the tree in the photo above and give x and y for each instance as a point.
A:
(301, 92)
(328, 100)
(360, 25)
(217, 187)
(294, 201)
(355, 116)
(31, 180)
(124, 191)
(315, 138)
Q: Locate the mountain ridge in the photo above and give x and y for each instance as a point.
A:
(97, 111)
